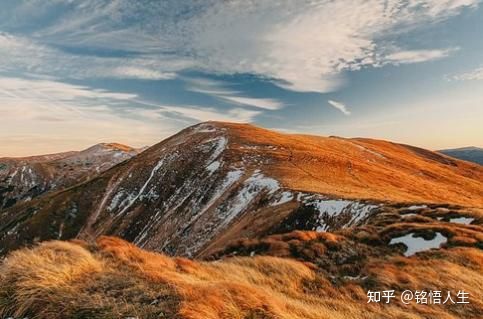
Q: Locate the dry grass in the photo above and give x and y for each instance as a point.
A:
(65, 280)
(115, 279)
(361, 168)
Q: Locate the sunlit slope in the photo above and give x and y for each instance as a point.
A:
(215, 182)
(362, 168)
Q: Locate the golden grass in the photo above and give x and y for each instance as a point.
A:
(31, 275)
(115, 279)
(361, 168)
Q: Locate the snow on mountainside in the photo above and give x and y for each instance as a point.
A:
(217, 182)
(22, 179)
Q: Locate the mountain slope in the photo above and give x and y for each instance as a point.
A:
(22, 179)
(321, 275)
(216, 182)
(470, 154)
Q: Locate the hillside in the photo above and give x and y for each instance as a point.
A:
(320, 276)
(277, 226)
(22, 179)
(216, 182)
(470, 154)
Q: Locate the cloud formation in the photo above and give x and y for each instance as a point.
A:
(24, 55)
(417, 56)
(473, 75)
(340, 106)
(218, 90)
(36, 110)
(44, 115)
(302, 45)
(203, 114)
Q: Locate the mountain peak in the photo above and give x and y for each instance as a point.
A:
(22, 179)
(110, 147)
(215, 181)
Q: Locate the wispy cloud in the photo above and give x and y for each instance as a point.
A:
(309, 44)
(41, 90)
(417, 56)
(45, 109)
(267, 104)
(195, 113)
(302, 45)
(476, 74)
(22, 55)
(134, 72)
(218, 90)
(201, 114)
(340, 106)
(72, 116)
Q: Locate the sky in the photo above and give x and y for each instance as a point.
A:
(77, 73)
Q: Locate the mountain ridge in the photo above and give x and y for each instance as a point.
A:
(23, 178)
(470, 153)
(216, 182)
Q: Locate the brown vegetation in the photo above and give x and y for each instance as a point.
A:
(114, 279)
(362, 168)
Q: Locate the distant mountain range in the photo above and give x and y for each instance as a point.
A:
(22, 179)
(470, 154)
(215, 182)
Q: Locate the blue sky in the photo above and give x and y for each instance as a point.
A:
(75, 73)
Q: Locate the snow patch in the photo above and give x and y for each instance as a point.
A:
(221, 143)
(462, 220)
(329, 208)
(284, 198)
(252, 186)
(213, 166)
(115, 201)
(118, 154)
(14, 174)
(416, 207)
(417, 244)
(232, 177)
(141, 191)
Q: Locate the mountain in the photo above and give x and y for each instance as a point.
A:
(276, 225)
(470, 154)
(215, 183)
(22, 179)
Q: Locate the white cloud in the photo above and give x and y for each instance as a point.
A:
(268, 104)
(24, 55)
(45, 109)
(340, 106)
(218, 90)
(134, 72)
(476, 74)
(20, 90)
(417, 56)
(44, 115)
(303, 45)
(308, 44)
(40, 116)
(210, 114)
